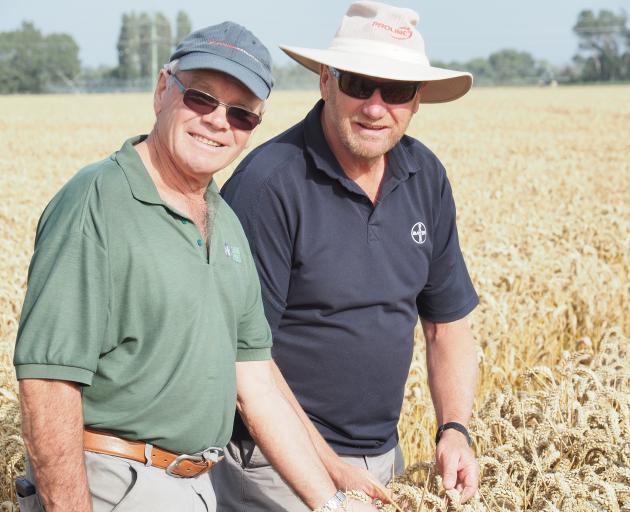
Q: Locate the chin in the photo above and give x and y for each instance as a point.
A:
(366, 149)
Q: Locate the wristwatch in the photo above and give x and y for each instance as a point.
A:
(456, 426)
(337, 502)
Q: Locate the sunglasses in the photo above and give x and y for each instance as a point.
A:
(362, 88)
(203, 103)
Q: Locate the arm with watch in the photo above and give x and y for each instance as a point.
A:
(452, 370)
(285, 442)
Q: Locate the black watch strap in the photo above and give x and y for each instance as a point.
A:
(457, 426)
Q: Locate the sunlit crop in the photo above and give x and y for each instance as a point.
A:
(541, 178)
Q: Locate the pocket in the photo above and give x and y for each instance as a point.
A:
(130, 501)
(30, 504)
(256, 459)
(246, 454)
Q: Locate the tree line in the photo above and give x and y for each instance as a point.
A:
(31, 62)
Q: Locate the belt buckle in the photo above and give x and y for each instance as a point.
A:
(180, 458)
(211, 455)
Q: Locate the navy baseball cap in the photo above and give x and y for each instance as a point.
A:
(231, 49)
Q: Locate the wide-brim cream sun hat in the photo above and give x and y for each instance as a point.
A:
(381, 41)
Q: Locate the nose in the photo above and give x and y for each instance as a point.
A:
(374, 107)
(217, 118)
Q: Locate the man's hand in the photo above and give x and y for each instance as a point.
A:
(457, 464)
(452, 367)
(345, 476)
(280, 434)
(353, 478)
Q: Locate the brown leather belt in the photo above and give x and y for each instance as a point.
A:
(183, 466)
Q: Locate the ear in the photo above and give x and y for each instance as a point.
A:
(416, 100)
(324, 78)
(160, 92)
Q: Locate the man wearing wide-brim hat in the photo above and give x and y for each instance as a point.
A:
(352, 226)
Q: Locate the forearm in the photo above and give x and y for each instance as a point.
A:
(281, 436)
(52, 427)
(344, 476)
(452, 369)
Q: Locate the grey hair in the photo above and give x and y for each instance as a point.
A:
(171, 68)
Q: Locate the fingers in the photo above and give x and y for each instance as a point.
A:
(377, 490)
(459, 470)
(470, 480)
(448, 469)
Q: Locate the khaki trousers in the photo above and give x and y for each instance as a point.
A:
(246, 482)
(123, 485)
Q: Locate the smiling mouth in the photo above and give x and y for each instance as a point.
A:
(206, 142)
(372, 127)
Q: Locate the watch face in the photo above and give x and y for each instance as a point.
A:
(336, 501)
(341, 496)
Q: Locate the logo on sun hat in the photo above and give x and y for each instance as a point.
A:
(381, 41)
(231, 49)
(396, 33)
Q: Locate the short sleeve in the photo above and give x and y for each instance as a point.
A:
(449, 294)
(66, 309)
(253, 335)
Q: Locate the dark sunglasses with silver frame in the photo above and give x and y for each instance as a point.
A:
(203, 103)
(362, 87)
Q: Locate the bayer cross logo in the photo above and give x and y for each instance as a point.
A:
(419, 233)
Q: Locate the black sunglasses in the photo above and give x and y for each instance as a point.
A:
(203, 103)
(362, 88)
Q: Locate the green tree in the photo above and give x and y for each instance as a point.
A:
(129, 48)
(183, 26)
(481, 70)
(156, 43)
(602, 40)
(30, 61)
(164, 41)
(21, 60)
(512, 66)
(145, 31)
(62, 58)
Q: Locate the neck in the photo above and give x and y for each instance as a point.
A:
(166, 175)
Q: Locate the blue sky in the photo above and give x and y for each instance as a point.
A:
(453, 30)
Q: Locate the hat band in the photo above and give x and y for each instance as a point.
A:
(379, 49)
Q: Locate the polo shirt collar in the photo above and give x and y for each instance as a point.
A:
(400, 164)
(140, 182)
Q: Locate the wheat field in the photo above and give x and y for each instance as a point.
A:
(541, 177)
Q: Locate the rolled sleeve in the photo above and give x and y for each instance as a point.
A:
(253, 354)
(54, 372)
(65, 313)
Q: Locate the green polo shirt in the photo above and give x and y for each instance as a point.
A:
(126, 299)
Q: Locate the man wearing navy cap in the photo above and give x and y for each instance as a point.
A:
(352, 227)
(143, 326)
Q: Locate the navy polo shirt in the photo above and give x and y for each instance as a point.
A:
(343, 280)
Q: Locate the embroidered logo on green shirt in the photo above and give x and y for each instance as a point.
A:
(233, 252)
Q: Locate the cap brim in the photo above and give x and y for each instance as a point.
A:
(442, 85)
(203, 60)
